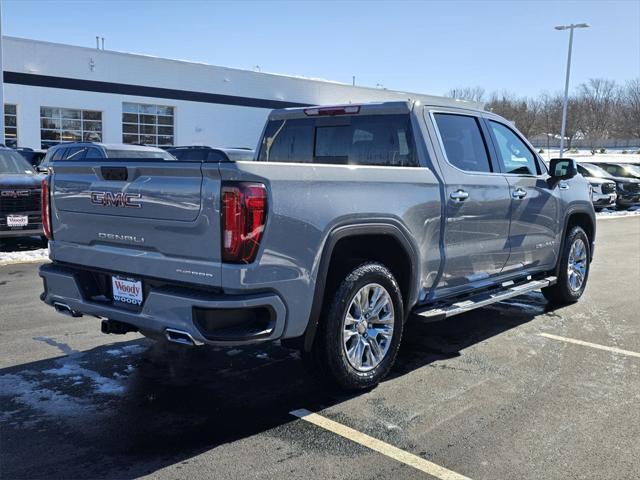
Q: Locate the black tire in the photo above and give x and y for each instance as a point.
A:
(328, 356)
(562, 293)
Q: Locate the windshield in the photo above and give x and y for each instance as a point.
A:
(633, 169)
(140, 154)
(595, 171)
(14, 164)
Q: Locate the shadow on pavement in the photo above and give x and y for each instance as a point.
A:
(131, 408)
(21, 244)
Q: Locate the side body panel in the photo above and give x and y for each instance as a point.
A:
(308, 202)
(476, 229)
(536, 223)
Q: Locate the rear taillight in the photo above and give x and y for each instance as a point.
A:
(244, 213)
(45, 204)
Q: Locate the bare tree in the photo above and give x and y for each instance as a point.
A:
(598, 110)
(597, 98)
(629, 110)
(474, 94)
(523, 112)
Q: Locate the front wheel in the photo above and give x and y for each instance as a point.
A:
(360, 329)
(574, 270)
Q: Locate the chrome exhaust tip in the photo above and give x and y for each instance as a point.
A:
(65, 309)
(180, 336)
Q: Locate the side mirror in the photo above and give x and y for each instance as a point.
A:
(563, 168)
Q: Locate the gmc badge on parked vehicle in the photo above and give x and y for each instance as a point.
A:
(14, 193)
(108, 199)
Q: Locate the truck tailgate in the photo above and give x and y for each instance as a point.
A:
(157, 219)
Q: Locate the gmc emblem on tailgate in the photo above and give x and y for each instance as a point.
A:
(108, 199)
(14, 193)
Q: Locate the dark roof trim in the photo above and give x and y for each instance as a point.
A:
(142, 91)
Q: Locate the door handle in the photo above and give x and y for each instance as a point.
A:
(564, 185)
(459, 196)
(519, 193)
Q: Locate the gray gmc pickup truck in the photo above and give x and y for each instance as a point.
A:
(349, 221)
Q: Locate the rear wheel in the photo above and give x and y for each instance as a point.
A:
(360, 329)
(574, 269)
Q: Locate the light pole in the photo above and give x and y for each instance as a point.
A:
(571, 28)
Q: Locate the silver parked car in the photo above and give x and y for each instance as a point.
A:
(78, 151)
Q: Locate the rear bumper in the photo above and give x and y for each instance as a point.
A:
(30, 232)
(209, 318)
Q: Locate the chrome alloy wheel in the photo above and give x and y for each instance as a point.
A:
(368, 327)
(577, 267)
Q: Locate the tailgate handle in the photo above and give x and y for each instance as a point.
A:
(114, 173)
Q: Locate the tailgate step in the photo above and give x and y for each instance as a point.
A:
(434, 313)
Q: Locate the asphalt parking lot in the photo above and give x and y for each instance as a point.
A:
(484, 395)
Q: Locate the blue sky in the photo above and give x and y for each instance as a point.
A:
(421, 46)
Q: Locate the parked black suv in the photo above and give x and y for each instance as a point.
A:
(20, 190)
(34, 157)
(626, 170)
(200, 153)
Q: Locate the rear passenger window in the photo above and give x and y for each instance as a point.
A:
(214, 156)
(515, 156)
(57, 155)
(93, 153)
(288, 141)
(463, 142)
(382, 140)
(74, 153)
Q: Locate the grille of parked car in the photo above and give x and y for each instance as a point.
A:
(632, 187)
(608, 188)
(19, 200)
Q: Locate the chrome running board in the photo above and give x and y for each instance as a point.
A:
(433, 313)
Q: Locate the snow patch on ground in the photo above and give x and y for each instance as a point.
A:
(613, 155)
(126, 350)
(51, 402)
(39, 255)
(70, 367)
(607, 213)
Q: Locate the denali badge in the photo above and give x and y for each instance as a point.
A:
(123, 238)
(108, 199)
(14, 193)
(192, 272)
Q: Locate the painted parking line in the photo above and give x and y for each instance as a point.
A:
(592, 345)
(378, 446)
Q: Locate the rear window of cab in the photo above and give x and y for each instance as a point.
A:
(380, 140)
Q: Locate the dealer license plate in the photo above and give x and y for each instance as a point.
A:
(17, 221)
(127, 290)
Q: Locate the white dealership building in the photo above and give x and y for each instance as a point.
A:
(55, 92)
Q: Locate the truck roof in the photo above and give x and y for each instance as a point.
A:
(111, 146)
(380, 108)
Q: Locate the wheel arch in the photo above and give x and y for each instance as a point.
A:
(383, 232)
(580, 218)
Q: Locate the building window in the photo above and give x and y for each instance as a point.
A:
(147, 124)
(69, 125)
(11, 126)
